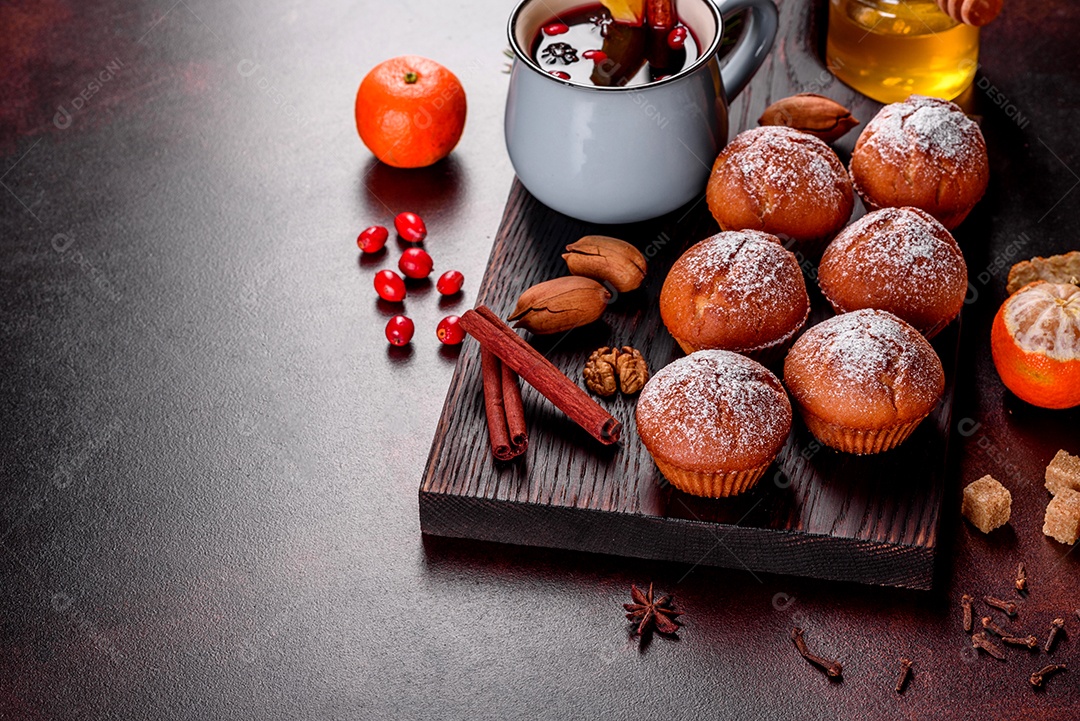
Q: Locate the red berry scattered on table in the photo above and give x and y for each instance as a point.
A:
(415, 263)
(597, 56)
(410, 226)
(677, 37)
(390, 286)
(399, 330)
(555, 29)
(450, 282)
(371, 240)
(449, 330)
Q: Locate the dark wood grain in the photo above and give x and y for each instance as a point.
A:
(816, 512)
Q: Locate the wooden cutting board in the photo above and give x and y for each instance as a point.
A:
(815, 513)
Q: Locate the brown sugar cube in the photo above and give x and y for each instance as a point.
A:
(987, 504)
(1062, 522)
(1063, 473)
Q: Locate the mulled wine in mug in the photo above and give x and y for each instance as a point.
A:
(613, 123)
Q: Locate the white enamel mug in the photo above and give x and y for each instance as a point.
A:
(624, 154)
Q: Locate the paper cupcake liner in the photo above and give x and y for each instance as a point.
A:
(853, 440)
(720, 484)
(933, 331)
(927, 333)
(811, 248)
(766, 354)
(950, 220)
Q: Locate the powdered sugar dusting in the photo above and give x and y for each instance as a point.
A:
(903, 246)
(859, 360)
(743, 263)
(714, 403)
(786, 160)
(929, 125)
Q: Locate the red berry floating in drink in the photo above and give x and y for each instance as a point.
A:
(559, 74)
(597, 56)
(677, 37)
(399, 330)
(415, 263)
(410, 226)
(372, 240)
(450, 282)
(555, 29)
(390, 286)
(449, 330)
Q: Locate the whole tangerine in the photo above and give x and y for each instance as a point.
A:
(1035, 341)
(410, 111)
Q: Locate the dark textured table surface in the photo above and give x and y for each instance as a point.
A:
(209, 456)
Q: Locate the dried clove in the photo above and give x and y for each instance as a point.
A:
(832, 669)
(905, 675)
(981, 640)
(965, 601)
(1009, 608)
(1055, 628)
(1021, 578)
(1039, 676)
(989, 625)
(1028, 641)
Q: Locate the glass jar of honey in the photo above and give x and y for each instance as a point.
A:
(889, 49)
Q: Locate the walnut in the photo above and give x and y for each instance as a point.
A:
(611, 369)
(632, 369)
(600, 371)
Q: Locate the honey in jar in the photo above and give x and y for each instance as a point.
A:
(889, 49)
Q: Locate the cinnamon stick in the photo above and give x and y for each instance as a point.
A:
(494, 335)
(494, 406)
(515, 410)
(660, 14)
(660, 19)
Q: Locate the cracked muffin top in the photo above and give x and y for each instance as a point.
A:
(739, 291)
(924, 153)
(900, 260)
(781, 181)
(864, 370)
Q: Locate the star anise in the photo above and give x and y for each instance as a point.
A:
(564, 53)
(648, 614)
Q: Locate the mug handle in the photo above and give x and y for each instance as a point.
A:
(753, 46)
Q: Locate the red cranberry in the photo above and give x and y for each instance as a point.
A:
(677, 37)
(399, 330)
(410, 226)
(449, 330)
(556, 29)
(597, 56)
(450, 282)
(371, 240)
(415, 263)
(390, 286)
(559, 74)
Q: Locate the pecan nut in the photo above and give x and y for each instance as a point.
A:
(811, 113)
(559, 305)
(607, 260)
